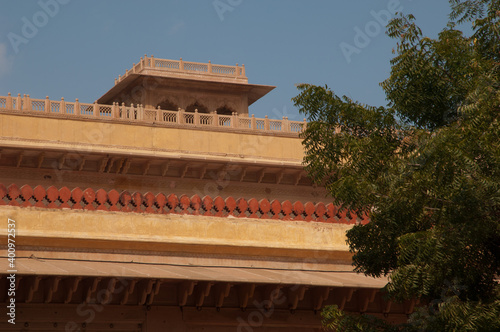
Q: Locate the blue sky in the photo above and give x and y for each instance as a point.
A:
(79, 47)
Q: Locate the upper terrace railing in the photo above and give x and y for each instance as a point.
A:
(139, 114)
(181, 66)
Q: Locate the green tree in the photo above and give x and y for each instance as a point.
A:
(427, 170)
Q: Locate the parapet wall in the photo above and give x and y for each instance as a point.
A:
(137, 114)
(73, 133)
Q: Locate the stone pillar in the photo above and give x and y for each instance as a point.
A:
(216, 119)
(96, 109)
(234, 120)
(196, 118)
(115, 110)
(285, 125)
(180, 115)
(8, 102)
(62, 107)
(27, 103)
(77, 107)
(19, 102)
(244, 105)
(47, 104)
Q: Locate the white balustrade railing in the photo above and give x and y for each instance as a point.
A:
(70, 108)
(260, 124)
(139, 114)
(160, 63)
(245, 123)
(169, 116)
(206, 119)
(86, 109)
(184, 67)
(275, 125)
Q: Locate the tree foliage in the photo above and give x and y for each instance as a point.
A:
(426, 168)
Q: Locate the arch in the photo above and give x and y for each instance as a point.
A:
(167, 105)
(201, 108)
(225, 110)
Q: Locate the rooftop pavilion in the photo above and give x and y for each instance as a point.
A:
(174, 84)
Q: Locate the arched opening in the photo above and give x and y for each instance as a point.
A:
(224, 110)
(167, 105)
(197, 106)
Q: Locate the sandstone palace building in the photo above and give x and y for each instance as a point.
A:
(165, 206)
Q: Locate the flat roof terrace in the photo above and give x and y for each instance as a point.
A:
(186, 69)
(137, 114)
(231, 80)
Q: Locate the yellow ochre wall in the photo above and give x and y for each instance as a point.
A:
(148, 140)
(173, 232)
